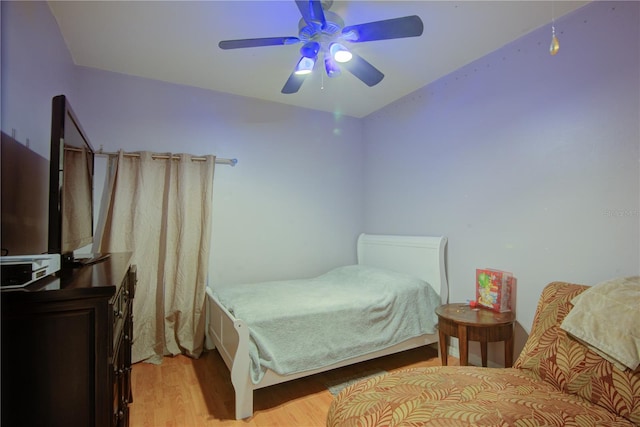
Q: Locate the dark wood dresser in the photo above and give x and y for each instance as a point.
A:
(66, 347)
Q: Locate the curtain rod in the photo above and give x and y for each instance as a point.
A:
(230, 162)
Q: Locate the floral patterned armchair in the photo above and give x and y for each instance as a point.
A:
(556, 381)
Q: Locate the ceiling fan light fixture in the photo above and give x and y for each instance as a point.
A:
(340, 53)
(310, 50)
(305, 66)
(331, 67)
(309, 54)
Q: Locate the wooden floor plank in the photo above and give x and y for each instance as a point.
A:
(185, 392)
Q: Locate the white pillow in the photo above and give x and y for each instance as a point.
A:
(606, 317)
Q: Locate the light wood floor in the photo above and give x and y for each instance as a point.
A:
(183, 392)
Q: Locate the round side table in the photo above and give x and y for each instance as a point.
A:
(474, 324)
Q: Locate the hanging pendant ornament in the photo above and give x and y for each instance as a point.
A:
(555, 44)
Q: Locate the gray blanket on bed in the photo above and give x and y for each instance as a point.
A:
(299, 325)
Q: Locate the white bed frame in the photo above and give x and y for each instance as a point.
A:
(420, 256)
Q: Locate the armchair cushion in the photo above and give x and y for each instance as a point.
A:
(606, 318)
(463, 396)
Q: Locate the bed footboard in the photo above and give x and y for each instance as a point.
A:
(230, 336)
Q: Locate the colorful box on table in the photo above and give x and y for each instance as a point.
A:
(494, 289)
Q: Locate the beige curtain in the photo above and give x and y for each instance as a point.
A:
(160, 209)
(77, 196)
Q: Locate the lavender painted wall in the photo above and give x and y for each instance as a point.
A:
(527, 162)
(33, 72)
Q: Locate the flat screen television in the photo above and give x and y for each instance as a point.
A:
(70, 184)
(24, 199)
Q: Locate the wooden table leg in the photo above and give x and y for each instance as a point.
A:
(508, 351)
(483, 352)
(463, 344)
(444, 347)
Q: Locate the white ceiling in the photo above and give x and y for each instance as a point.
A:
(177, 41)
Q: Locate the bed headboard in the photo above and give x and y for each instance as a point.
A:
(420, 256)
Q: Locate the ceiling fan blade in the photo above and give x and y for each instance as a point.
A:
(366, 72)
(294, 82)
(267, 41)
(312, 13)
(408, 26)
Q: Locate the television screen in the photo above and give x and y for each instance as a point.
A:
(71, 183)
(25, 194)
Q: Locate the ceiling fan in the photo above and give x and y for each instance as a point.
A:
(323, 35)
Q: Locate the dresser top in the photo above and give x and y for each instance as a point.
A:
(99, 279)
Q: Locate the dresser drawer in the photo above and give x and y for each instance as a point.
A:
(121, 307)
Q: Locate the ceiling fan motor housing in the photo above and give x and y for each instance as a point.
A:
(314, 31)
